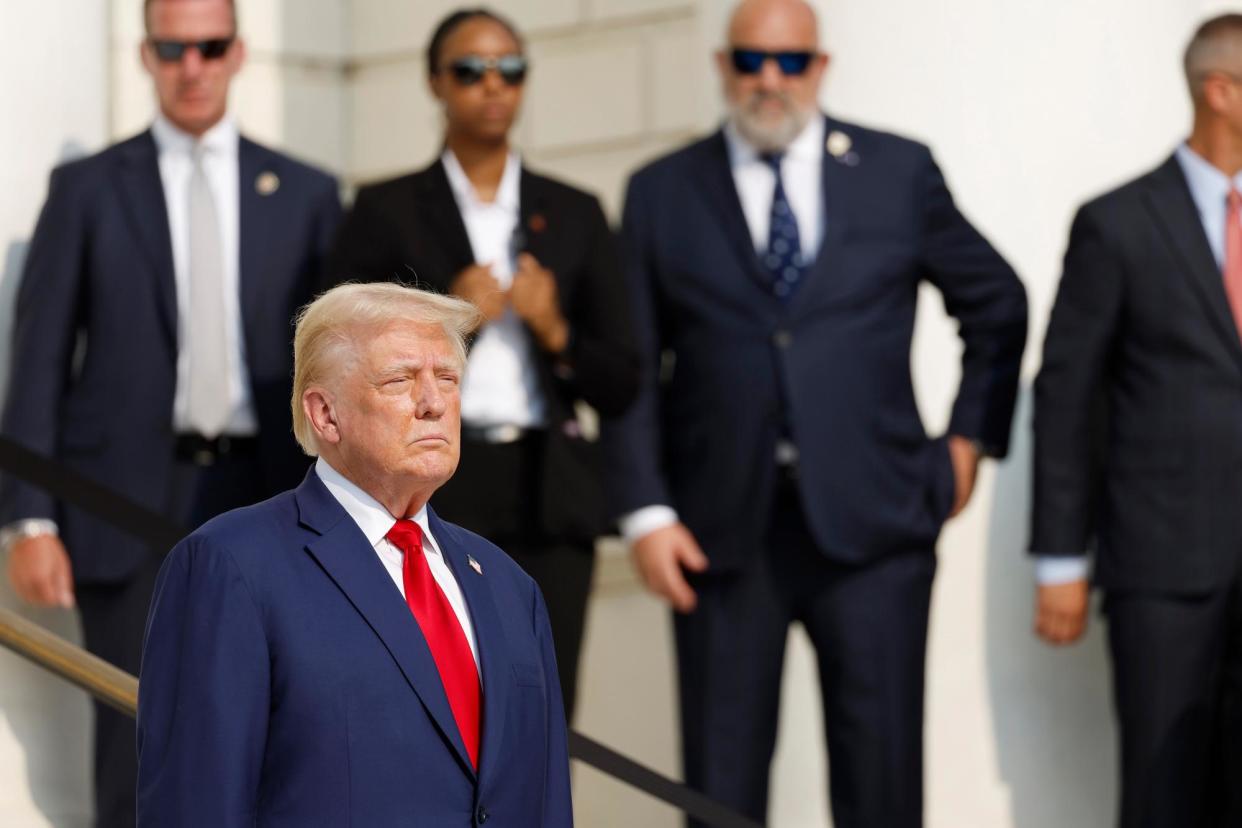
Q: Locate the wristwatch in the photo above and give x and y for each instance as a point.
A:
(26, 528)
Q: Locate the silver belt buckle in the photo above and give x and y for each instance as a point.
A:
(507, 433)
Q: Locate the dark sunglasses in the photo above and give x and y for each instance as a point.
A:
(171, 51)
(750, 61)
(469, 70)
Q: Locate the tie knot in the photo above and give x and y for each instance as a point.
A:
(1234, 199)
(773, 160)
(406, 535)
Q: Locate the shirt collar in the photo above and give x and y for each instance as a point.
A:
(463, 190)
(807, 146)
(372, 518)
(1205, 180)
(221, 139)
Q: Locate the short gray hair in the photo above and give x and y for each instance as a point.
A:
(330, 328)
(1215, 47)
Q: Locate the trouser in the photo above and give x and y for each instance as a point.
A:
(868, 625)
(1177, 684)
(114, 619)
(495, 492)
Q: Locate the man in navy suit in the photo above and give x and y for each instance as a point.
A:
(152, 344)
(338, 655)
(774, 468)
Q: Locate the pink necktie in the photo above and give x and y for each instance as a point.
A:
(1233, 256)
(443, 632)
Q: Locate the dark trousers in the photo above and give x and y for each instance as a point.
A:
(495, 493)
(869, 628)
(1177, 683)
(114, 618)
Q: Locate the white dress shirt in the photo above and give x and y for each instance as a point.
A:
(375, 521)
(500, 385)
(176, 164)
(1209, 187)
(801, 168)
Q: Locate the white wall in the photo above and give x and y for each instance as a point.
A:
(54, 98)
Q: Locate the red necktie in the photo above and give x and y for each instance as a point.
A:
(1233, 256)
(443, 632)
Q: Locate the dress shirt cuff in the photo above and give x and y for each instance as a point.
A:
(26, 528)
(644, 521)
(1061, 569)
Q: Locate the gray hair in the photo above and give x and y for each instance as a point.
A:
(1215, 47)
(330, 329)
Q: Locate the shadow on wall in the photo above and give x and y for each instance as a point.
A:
(1051, 708)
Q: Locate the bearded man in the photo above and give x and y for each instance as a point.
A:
(774, 467)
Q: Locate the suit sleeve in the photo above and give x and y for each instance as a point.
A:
(984, 294)
(603, 364)
(327, 220)
(557, 804)
(1070, 403)
(204, 694)
(632, 441)
(47, 318)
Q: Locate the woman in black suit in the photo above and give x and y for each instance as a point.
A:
(539, 260)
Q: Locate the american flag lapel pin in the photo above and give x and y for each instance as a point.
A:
(474, 564)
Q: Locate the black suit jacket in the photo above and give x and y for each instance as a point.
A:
(1138, 405)
(95, 339)
(725, 363)
(410, 229)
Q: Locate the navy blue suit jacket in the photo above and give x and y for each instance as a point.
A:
(725, 363)
(95, 339)
(286, 683)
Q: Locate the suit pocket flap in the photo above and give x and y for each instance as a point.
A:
(528, 675)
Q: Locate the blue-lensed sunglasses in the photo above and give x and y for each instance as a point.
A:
(750, 61)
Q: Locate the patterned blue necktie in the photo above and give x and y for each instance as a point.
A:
(783, 258)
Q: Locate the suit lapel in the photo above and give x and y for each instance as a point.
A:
(532, 217)
(1169, 200)
(489, 635)
(437, 206)
(257, 212)
(836, 182)
(142, 194)
(716, 177)
(343, 552)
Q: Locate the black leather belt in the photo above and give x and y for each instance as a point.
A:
(206, 451)
(496, 435)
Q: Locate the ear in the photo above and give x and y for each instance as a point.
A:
(237, 55)
(320, 410)
(724, 64)
(147, 56)
(434, 83)
(1216, 89)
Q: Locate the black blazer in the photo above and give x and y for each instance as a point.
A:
(410, 229)
(833, 362)
(1138, 405)
(99, 271)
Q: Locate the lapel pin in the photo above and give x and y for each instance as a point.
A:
(537, 223)
(840, 147)
(474, 564)
(267, 183)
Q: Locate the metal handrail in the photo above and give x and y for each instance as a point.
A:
(111, 685)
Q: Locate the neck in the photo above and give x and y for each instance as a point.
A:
(402, 498)
(482, 161)
(1217, 143)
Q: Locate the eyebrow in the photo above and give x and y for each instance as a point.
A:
(408, 366)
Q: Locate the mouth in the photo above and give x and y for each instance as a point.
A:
(431, 439)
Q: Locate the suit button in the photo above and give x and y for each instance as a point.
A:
(782, 339)
(482, 815)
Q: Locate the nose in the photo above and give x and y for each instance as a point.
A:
(492, 82)
(430, 401)
(770, 75)
(192, 62)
